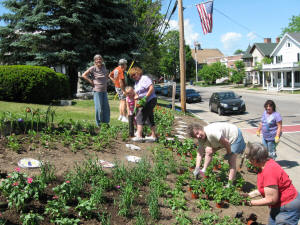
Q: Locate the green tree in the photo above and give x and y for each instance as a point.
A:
(210, 73)
(294, 25)
(238, 74)
(67, 32)
(149, 20)
(169, 62)
(238, 52)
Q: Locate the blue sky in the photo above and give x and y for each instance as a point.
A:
(262, 18)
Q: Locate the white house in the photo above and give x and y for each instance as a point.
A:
(284, 72)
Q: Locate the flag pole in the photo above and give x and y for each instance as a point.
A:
(181, 57)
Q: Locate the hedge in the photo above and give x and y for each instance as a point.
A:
(32, 84)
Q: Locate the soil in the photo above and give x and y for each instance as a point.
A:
(65, 160)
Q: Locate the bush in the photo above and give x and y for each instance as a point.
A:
(32, 84)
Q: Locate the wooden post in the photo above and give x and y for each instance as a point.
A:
(181, 57)
(173, 95)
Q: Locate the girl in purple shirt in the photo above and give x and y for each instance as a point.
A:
(271, 127)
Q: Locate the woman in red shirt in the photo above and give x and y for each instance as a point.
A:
(275, 187)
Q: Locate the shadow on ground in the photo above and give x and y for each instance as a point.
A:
(287, 163)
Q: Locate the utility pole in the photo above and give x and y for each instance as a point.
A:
(181, 57)
(196, 61)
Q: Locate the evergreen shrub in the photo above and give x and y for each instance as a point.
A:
(32, 84)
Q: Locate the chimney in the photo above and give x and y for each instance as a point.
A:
(277, 40)
(267, 40)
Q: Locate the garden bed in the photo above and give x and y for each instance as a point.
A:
(150, 192)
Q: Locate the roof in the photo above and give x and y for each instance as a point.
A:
(295, 36)
(204, 54)
(264, 48)
(247, 53)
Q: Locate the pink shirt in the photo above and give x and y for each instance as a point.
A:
(131, 103)
(273, 174)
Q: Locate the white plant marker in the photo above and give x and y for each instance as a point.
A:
(106, 164)
(132, 158)
(133, 147)
(29, 163)
(170, 139)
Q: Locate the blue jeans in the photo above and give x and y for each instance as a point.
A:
(102, 109)
(288, 214)
(239, 145)
(271, 146)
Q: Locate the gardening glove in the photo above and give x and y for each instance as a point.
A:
(258, 133)
(196, 171)
(228, 156)
(277, 139)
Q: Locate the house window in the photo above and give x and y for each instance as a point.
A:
(297, 76)
(279, 76)
(298, 57)
(288, 44)
(279, 59)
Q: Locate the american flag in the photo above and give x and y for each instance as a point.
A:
(205, 10)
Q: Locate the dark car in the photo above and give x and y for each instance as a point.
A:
(164, 90)
(157, 89)
(191, 96)
(226, 102)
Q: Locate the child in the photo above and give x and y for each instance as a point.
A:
(131, 104)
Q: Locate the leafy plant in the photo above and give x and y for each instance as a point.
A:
(139, 219)
(56, 208)
(153, 205)
(47, 172)
(208, 218)
(18, 188)
(31, 218)
(66, 221)
(86, 207)
(126, 199)
(203, 204)
(177, 201)
(182, 218)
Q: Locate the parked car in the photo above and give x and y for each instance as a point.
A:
(226, 102)
(157, 89)
(191, 96)
(164, 90)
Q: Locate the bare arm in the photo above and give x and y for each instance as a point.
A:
(279, 128)
(200, 154)
(271, 196)
(226, 144)
(85, 77)
(150, 90)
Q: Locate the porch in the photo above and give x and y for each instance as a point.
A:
(281, 77)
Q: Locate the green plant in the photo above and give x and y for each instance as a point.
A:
(126, 199)
(56, 208)
(18, 189)
(152, 201)
(208, 218)
(47, 172)
(104, 218)
(203, 204)
(68, 189)
(30, 218)
(86, 207)
(66, 221)
(182, 218)
(177, 201)
(13, 143)
(139, 219)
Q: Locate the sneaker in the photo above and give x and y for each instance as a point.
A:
(137, 139)
(120, 117)
(124, 119)
(150, 139)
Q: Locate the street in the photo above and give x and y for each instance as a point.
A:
(286, 104)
